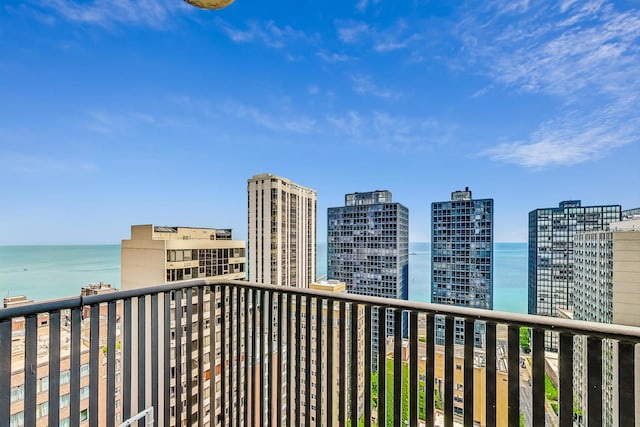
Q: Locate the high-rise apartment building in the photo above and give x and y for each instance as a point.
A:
(606, 289)
(368, 249)
(281, 231)
(551, 238)
(462, 251)
(462, 254)
(157, 255)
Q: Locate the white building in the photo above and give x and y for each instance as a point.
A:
(607, 290)
(281, 231)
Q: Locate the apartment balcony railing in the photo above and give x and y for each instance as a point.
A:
(260, 355)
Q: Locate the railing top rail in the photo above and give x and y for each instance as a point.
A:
(602, 330)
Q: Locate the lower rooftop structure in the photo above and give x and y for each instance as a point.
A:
(120, 359)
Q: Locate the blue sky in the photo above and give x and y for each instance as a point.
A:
(121, 112)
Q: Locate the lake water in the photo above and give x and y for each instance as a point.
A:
(47, 272)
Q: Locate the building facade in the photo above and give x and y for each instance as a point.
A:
(607, 290)
(551, 262)
(368, 249)
(281, 231)
(462, 255)
(157, 255)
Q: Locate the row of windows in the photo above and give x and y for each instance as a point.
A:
(42, 384)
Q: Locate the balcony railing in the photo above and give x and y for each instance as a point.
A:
(209, 352)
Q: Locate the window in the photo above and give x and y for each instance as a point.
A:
(64, 400)
(84, 370)
(43, 384)
(65, 377)
(65, 422)
(17, 420)
(17, 393)
(84, 392)
(42, 409)
(84, 415)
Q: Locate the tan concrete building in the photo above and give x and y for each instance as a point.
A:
(160, 255)
(479, 382)
(281, 231)
(607, 290)
(156, 255)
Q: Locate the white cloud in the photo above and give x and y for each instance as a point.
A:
(389, 132)
(364, 85)
(153, 13)
(352, 31)
(584, 55)
(569, 140)
(332, 57)
(42, 165)
(267, 33)
(284, 122)
(396, 37)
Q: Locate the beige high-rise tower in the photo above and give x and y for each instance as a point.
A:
(281, 231)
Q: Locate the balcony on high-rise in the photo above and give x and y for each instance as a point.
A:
(226, 352)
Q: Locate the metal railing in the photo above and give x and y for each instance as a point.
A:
(210, 352)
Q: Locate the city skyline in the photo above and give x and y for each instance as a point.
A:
(158, 112)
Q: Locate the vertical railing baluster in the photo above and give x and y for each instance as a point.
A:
(537, 408)
(469, 342)
(367, 365)
(74, 383)
(354, 364)
(155, 371)
(142, 353)
(397, 367)
(298, 380)
(31, 369)
(178, 358)
(594, 381)
(566, 379)
(330, 356)
(449, 332)
(95, 361)
(188, 354)
(319, 364)
(5, 369)
(260, 363)
(268, 310)
(54, 367)
(513, 355)
(239, 321)
(248, 371)
(307, 373)
(290, 371)
(213, 353)
(342, 373)
(430, 369)
(223, 353)
(626, 384)
(166, 323)
(382, 365)
(491, 374)
(413, 369)
(111, 364)
(279, 345)
(126, 361)
(256, 392)
(231, 364)
(201, 377)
